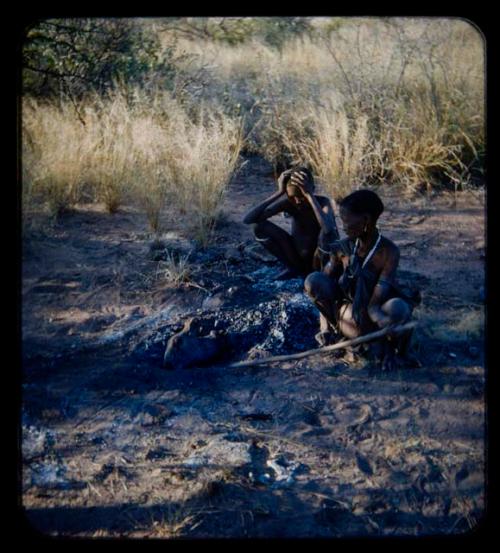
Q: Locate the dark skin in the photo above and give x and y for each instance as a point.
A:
(312, 217)
(382, 312)
(385, 259)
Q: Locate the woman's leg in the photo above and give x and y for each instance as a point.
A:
(279, 243)
(351, 329)
(385, 348)
(347, 324)
(306, 247)
(399, 312)
(323, 292)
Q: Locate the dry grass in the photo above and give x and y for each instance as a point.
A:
(174, 521)
(337, 147)
(460, 326)
(205, 157)
(468, 325)
(175, 268)
(131, 147)
(65, 158)
(397, 100)
(368, 100)
(53, 166)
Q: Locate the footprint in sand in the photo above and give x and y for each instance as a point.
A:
(363, 464)
(354, 415)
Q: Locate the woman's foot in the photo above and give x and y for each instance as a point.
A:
(388, 362)
(410, 360)
(325, 338)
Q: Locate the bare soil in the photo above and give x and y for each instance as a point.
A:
(114, 445)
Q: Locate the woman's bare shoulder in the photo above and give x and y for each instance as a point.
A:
(389, 248)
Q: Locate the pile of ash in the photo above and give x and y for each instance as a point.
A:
(284, 324)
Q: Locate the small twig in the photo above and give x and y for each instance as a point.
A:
(94, 489)
(256, 432)
(258, 257)
(343, 504)
(195, 285)
(93, 416)
(340, 345)
(95, 291)
(455, 524)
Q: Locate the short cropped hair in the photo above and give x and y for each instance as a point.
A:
(363, 202)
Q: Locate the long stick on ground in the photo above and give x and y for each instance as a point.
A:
(339, 345)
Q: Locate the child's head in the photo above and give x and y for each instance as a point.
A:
(359, 210)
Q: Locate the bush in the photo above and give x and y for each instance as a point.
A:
(373, 101)
(82, 55)
(277, 31)
(53, 164)
(363, 100)
(139, 147)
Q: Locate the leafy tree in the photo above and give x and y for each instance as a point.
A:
(232, 30)
(79, 54)
(277, 30)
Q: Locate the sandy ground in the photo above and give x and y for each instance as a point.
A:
(113, 445)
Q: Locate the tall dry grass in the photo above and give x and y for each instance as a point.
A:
(131, 146)
(52, 160)
(364, 100)
(398, 100)
(205, 156)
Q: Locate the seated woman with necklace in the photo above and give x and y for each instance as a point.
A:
(357, 293)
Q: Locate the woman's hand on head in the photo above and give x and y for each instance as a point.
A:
(282, 180)
(301, 180)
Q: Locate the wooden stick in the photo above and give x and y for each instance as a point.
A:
(339, 345)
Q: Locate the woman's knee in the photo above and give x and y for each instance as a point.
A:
(397, 309)
(260, 230)
(347, 325)
(316, 284)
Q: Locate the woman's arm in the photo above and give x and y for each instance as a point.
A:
(334, 268)
(382, 288)
(265, 210)
(322, 207)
